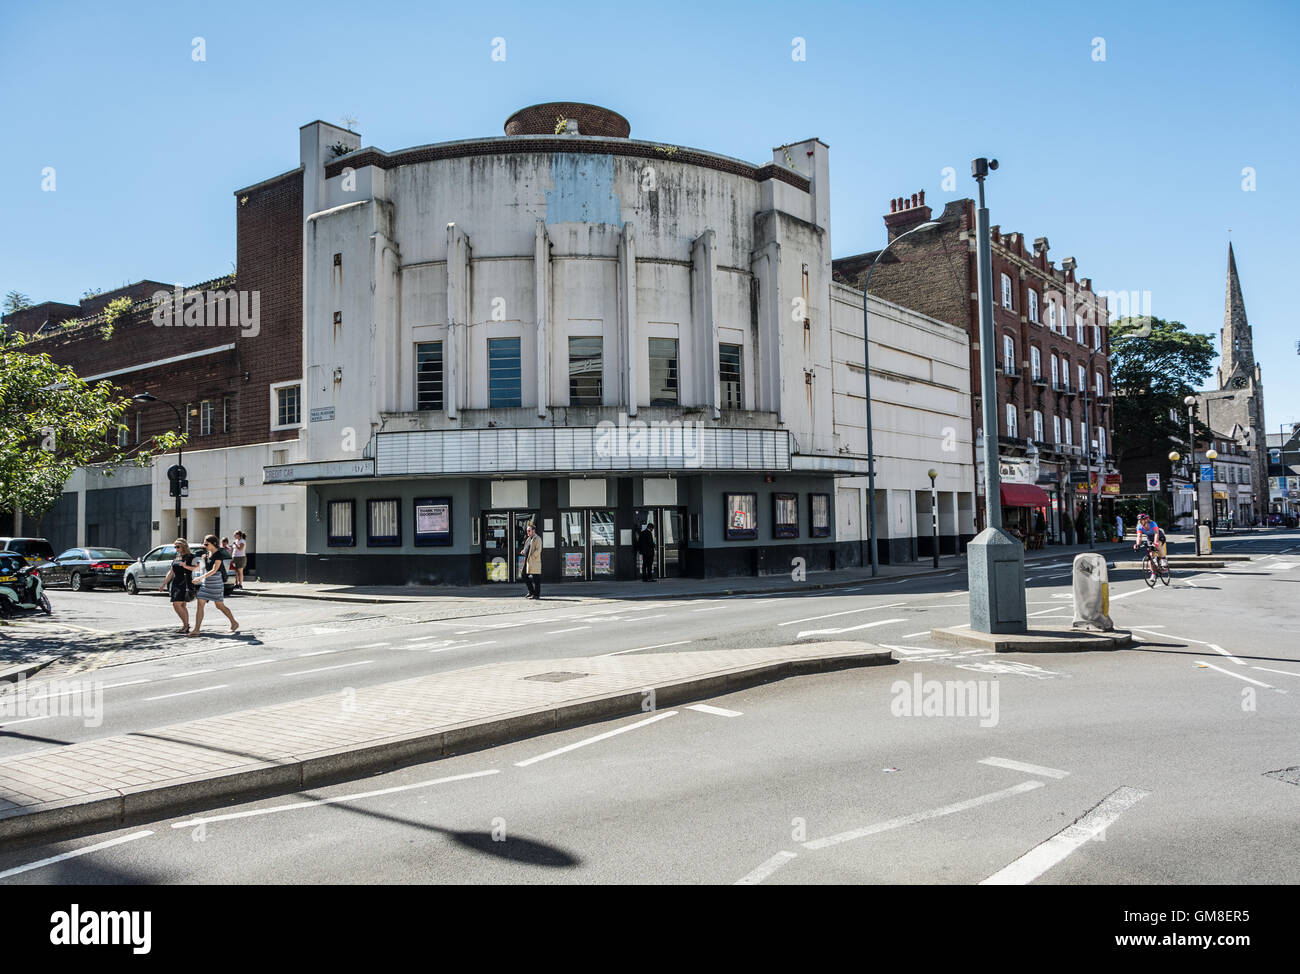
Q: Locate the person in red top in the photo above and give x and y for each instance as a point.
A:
(1150, 533)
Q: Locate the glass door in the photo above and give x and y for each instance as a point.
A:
(520, 521)
(603, 560)
(672, 528)
(572, 541)
(497, 553)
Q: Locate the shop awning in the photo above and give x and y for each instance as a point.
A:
(1024, 495)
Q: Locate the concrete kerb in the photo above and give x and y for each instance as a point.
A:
(1035, 641)
(128, 806)
(15, 673)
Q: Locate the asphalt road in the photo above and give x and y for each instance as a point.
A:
(1148, 765)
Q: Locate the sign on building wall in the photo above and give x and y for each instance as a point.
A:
(433, 520)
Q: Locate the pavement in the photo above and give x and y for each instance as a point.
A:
(116, 780)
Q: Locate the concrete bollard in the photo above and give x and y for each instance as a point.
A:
(1091, 592)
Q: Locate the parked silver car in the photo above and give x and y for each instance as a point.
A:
(147, 572)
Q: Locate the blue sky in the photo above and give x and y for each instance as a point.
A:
(1133, 165)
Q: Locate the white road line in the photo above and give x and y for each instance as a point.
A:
(1124, 595)
(846, 612)
(592, 740)
(639, 649)
(1220, 649)
(915, 635)
(255, 662)
(1239, 676)
(833, 632)
(1267, 670)
(955, 594)
(556, 632)
(704, 708)
(319, 652)
(1043, 857)
(1170, 635)
(1037, 769)
(322, 631)
(1192, 584)
(322, 669)
(183, 693)
(895, 823)
(1044, 612)
(318, 802)
(448, 649)
(767, 869)
(662, 615)
(28, 867)
(125, 683)
(373, 645)
(25, 720)
(711, 608)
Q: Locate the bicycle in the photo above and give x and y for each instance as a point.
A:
(1152, 570)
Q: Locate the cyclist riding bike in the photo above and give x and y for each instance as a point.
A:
(1149, 533)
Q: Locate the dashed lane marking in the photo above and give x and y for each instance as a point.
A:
(1239, 676)
(1037, 769)
(339, 666)
(756, 876)
(832, 615)
(704, 708)
(641, 649)
(185, 693)
(98, 846)
(835, 632)
(592, 740)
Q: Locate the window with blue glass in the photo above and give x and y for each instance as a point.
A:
(505, 387)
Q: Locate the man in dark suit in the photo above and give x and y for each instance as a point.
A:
(648, 549)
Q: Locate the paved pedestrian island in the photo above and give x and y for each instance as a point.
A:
(114, 780)
(1036, 640)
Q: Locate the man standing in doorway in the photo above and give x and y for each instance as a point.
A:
(532, 555)
(648, 549)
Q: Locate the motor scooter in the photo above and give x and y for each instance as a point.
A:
(22, 591)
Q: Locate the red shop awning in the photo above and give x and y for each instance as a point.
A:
(1024, 495)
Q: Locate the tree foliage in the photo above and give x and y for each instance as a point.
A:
(1151, 373)
(52, 422)
(16, 301)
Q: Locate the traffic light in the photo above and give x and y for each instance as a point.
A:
(180, 487)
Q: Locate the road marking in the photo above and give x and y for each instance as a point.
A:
(1239, 676)
(1170, 635)
(373, 645)
(318, 802)
(914, 635)
(1192, 584)
(125, 683)
(319, 652)
(322, 631)
(767, 869)
(592, 740)
(846, 612)
(165, 696)
(10, 723)
(661, 615)
(447, 649)
(1267, 670)
(322, 669)
(955, 595)
(256, 662)
(639, 649)
(1124, 595)
(832, 632)
(1220, 649)
(28, 867)
(1043, 857)
(556, 632)
(1055, 608)
(895, 823)
(1037, 769)
(704, 708)
(711, 608)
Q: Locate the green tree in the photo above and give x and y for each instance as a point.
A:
(16, 301)
(1150, 373)
(52, 422)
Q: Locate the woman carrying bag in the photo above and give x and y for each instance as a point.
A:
(178, 583)
(211, 586)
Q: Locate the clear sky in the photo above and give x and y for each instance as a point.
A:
(1132, 164)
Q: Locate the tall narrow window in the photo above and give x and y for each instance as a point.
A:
(1083, 379)
(1056, 371)
(205, 417)
(585, 372)
(663, 372)
(1033, 306)
(1056, 429)
(1069, 433)
(505, 389)
(189, 408)
(1006, 293)
(383, 523)
(342, 524)
(1012, 429)
(1051, 314)
(1078, 330)
(729, 385)
(1038, 426)
(1008, 355)
(1101, 387)
(1101, 442)
(1035, 362)
(225, 414)
(428, 375)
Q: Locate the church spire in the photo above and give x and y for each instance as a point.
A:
(1236, 354)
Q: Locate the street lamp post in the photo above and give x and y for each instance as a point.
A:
(1192, 471)
(934, 514)
(866, 369)
(180, 451)
(1174, 457)
(995, 561)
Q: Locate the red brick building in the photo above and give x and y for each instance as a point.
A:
(1052, 342)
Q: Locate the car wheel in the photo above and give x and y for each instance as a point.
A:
(75, 581)
(131, 587)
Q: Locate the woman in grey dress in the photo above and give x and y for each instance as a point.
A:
(211, 587)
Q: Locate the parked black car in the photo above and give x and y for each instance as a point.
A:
(85, 568)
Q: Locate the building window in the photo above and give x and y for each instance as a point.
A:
(729, 377)
(286, 405)
(123, 437)
(138, 423)
(1008, 355)
(189, 408)
(1101, 442)
(1035, 362)
(1038, 426)
(1033, 306)
(663, 372)
(1069, 433)
(1056, 371)
(1078, 329)
(1012, 427)
(342, 524)
(1056, 429)
(505, 389)
(785, 515)
(1083, 439)
(1051, 314)
(205, 418)
(741, 517)
(225, 414)
(585, 372)
(1083, 379)
(1101, 386)
(1006, 293)
(428, 375)
(384, 522)
(1096, 337)
(819, 515)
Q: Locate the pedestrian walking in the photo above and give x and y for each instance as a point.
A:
(238, 556)
(211, 582)
(531, 552)
(179, 583)
(648, 549)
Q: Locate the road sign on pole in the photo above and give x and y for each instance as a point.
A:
(1153, 481)
(1207, 472)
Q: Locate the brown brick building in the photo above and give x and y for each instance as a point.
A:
(1051, 334)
